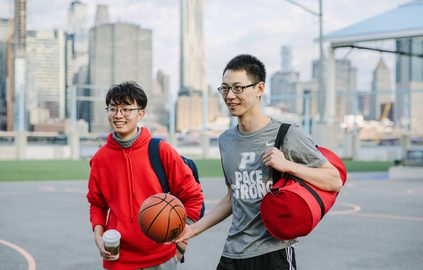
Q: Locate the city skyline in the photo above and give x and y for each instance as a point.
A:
(251, 26)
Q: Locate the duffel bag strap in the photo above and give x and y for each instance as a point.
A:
(312, 192)
(283, 129)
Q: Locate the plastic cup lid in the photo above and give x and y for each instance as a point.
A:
(111, 236)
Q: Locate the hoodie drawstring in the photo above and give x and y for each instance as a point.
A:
(130, 182)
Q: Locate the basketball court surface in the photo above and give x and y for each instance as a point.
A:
(376, 223)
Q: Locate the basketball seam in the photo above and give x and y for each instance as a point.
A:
(161, 210)
(172, 208)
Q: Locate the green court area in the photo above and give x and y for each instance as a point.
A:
(34, 170)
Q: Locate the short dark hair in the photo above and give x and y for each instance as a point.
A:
(254, 68)
(126, 93)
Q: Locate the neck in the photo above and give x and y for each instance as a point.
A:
(252, 124)
(128, 141)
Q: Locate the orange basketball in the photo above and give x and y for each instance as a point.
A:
(162, 217)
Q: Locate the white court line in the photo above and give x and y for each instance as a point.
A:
(394, 217)
(44, 189)
(353, 208)
(415, 191)
(418, 192)
(75, 190)
(47, 188)
(23, 252)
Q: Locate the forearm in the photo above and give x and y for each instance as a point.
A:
(219, 213)
(98, 236)
(325, 177)
(222, 210)
(98, 231)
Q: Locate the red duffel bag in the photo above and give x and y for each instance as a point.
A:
(293, 207)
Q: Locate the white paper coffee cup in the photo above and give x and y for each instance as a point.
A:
(111, 239)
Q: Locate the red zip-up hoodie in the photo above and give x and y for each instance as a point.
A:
(120, 180)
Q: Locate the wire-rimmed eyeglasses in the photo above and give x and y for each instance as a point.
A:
(126, 112)
(236, 89)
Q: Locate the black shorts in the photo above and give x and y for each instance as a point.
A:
(283, 259)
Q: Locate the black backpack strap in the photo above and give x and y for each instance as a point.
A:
(156, 163)
(193, 167)
(283, 129)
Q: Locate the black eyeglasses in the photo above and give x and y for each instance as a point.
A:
(236, 89)
(126, 112)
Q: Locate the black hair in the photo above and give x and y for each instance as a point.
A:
(254, 68)
(126, 93)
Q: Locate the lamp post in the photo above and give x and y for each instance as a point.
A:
(321, 82)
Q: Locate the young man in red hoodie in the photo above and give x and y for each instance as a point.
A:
(121, 178)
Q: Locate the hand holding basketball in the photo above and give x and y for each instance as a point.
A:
(187, 234)
(162, 217)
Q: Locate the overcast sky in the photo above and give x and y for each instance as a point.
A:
(259, 27)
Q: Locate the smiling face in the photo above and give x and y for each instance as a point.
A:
(123, 119)
(125, 105)
(248, 101)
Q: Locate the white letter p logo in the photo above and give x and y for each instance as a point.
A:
(246, 157)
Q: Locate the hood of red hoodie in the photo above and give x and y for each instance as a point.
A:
(142, 140)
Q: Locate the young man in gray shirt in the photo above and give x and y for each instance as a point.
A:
(248, 156)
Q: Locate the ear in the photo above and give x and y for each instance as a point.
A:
(140, 115)
(260, 87)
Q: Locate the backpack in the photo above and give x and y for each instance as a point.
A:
(293, 207)
(156, 163)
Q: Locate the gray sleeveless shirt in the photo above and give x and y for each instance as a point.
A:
(250, 180)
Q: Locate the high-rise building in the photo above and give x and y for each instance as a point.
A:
(70, 75)
(78, 27)
(102, 14)
(76, 54)
(3, 73)
(188, 106)
(363, 103)
(284, 85)
(286, 58)
(19, 52)
(409, 82)
(193, 59)
(118, 52)
(189, 112)
(158, 102)
(20, 28)
(381, 95)
(192, 79)
(345, 87)
(309, 90)
(46, 76)
(6, 27)
(284, 91)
